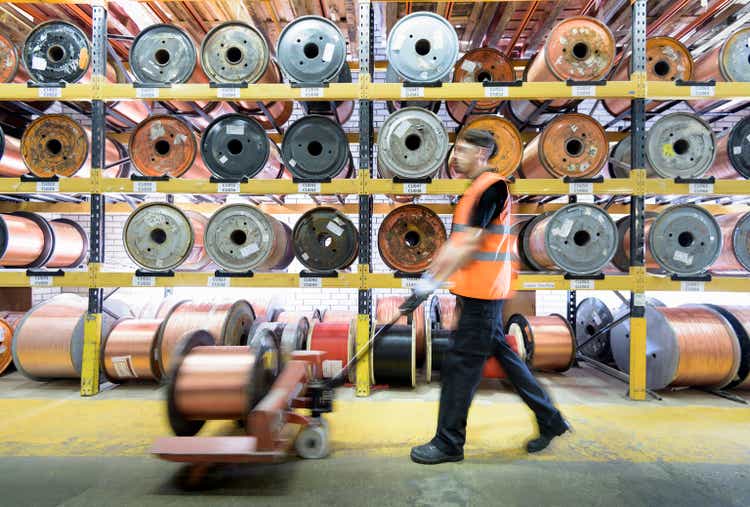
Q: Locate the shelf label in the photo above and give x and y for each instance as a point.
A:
(411, 92)
(311, 93)
(639, 299)
(310, 283)
(692, 286)
(538, 285)
(228, 93)
(308, 188)
(577, 188)
(582, 285)
(496, 91)
(415, 188)
(47, 186)
(219, 281)
(409, 283)
(228, 188)
(145, 187)
(147, 93)
(584, 91)
(50, 93)
(702, 91)
(41, 281)
(144, 281)
(701, 188)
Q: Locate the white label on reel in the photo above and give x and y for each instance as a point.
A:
(219, 281)
(38, 63)
(580, 187)
(582, 285)
(228, 93)
(47, 186)
(308, 188)
(328, 52)
(737, 150)
(702, 91)
(639, 299)
(401, 129)
(335, 228)
(331, 368)
(50, 92)
(40, 281)
(583, 91)
(496, 91)
(311, 93)
(415, 188)
(147, 93)
(235, 130)
(144, 281)
(564, 229)
(701, 188)
(538, 285)
(144, 187)
(249, 249)
(123, 366)
(692, 286)
(469, 66)
(683, 257)
(411, 91)
(223, 159)
(310, 283)
(409, 283)
(228, 188)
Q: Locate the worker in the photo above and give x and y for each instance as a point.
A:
(477, 263)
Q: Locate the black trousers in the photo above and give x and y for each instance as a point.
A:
(480, 335)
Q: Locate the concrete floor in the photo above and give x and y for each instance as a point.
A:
(691, 448)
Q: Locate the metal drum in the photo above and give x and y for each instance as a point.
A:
(735, 254)
(240, 237)
(409, 237)
(728, 62)
(422, 47)
(522, 113)
(477, 66)
(395, 105)
(733, 153)
(311, 49)
(235, 146)
(316, 147)
(685, 240)
(621, 260)
(509, 146)
(578, 238)
(56, 51)
(162, 54)
(680, 145)
(163, 145)
(8, 60)
(325, 240)
(54, 145)
(573, 145)
(619, 159)
(341, 111)
(593, 315)
(158, 236)
(234, 52)
(412, 143)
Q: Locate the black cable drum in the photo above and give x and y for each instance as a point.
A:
(235, 146)
(441, 341)
(316, 148)
(56, 51)
(344, 109)
(738, 147)
(393, 357)
(325, 240)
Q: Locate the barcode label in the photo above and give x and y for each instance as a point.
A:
(409, 283)
(40, 281)
(147, 93)
(218, 281)
(124, 367)
(144, 281)
(701, 188)
(693, 286)
(228, 188)
(411, 92)
(582, 284)
(331, 368)
(228, 93)
(47, 186)
(496, 91)
(584, 91)
(144, 186)
(310, 283)
(702, 91)
(639, 299)
(580, 188)
(415, 188)
(311, 92)
(309, 188)
(539, 285)
(50, 92)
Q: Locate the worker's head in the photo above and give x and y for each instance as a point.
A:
(472, 152)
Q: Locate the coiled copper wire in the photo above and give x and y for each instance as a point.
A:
(448, 312)
(548, 340)
(718, 65)
(227, 323)
(741, 316)
(733, 252)
(536, 246)
(24, 241)
(198, 258)
(70, 245)
(8, 60)
(387, 307)
(159, 308)
(11, 163)
(128, 352)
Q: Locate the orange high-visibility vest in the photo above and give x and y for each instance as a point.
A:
(491, 272)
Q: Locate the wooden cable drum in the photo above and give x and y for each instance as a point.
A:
(506, 158)
(227, 323)
(492, 368)
(198, 258)
(158, 236)
(691, 346)
(337, 340)
(26, 240)
(409, 237)
(739, 318)
(129, 350)
(217, 382)
(54, 145)
(548, 340)
(386, 307)
(735, 252)
(393, 357)
(477, 66)
(71, 244)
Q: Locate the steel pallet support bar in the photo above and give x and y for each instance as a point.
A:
(93, 324)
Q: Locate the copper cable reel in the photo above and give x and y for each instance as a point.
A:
(163, 145)
(409, 237)
(158, 236)
(54, 145)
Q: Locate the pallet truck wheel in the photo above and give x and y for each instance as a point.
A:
(196, 477)
(312, 441)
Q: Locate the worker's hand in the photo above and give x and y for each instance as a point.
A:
(412, 303)
(419, 294)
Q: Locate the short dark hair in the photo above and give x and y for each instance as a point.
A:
(481, 138)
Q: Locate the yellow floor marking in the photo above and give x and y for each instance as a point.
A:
(637, 432)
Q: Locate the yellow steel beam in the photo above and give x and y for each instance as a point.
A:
(92, 334)
(21, 91)
(65, 185)
(193, 279)
(637, 379)
(717, 284)
(660, 90)
(721, 187)
(21, 279)
(260, 91)
(253, 187)
(363, 366)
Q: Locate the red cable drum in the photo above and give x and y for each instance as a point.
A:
(330, 316)
(337, 340)
(492, 367)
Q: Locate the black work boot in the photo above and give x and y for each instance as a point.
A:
(544, 439)
(430, 454)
